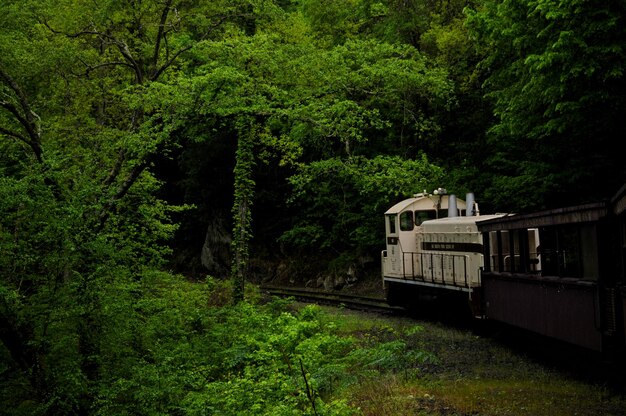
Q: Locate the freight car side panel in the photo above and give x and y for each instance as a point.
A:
(623, 319)
(557, 308)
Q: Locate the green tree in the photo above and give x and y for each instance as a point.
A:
(89, 97)
(311, 103)
(341, 202)
(554, 72)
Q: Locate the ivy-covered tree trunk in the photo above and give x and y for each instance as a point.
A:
(242, 215)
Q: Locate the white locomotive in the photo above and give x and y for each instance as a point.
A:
(432, 244)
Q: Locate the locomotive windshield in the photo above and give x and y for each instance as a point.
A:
(424, 215)
(406, 221)
(410, 219)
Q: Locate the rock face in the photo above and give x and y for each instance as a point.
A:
(215, 255)
(313, 272)
(279, 269)
(335, 280)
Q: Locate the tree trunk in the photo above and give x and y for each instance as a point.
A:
(242, 216)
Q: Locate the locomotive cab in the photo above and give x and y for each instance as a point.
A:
(401, 223)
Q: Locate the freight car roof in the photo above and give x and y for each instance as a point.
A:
(457, 224)
(570, 215)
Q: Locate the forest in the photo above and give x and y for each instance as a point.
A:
(158, 155)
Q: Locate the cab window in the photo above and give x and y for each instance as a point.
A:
(391, 219)
(421, 216)
(406, 221)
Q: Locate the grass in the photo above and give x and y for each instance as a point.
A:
(465, 374)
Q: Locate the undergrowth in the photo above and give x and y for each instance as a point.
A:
(183, 348)
(460, 373)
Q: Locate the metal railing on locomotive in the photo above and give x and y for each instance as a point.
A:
(452, 270)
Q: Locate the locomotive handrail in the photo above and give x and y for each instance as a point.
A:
(428, 260)
(383, 257)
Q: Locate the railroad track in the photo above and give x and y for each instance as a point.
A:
(335, 299)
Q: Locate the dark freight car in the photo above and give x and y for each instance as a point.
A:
(568, 287)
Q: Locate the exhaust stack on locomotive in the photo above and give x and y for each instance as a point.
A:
(472, 207)
(452, 209)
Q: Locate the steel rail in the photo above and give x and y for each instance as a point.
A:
(334, 299)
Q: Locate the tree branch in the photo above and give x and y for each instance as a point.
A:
(170, 61)
(125, 51)
(167, 64)
(157, 44)
(91, 68)
(20, 118)
(122, 190)
(121, 46)
(121, 157)
(11, 133)
(26, 117)
(28, 114)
